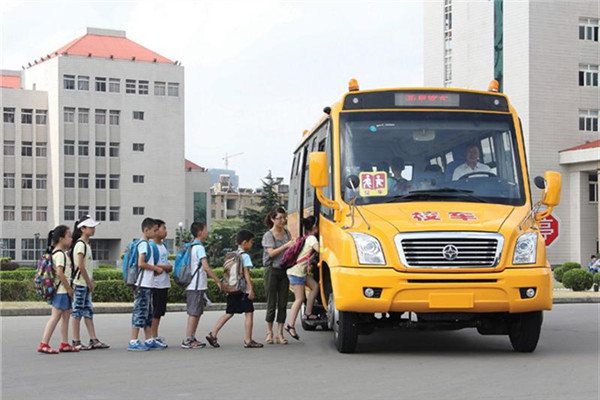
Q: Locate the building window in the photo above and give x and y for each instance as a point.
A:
(114, 181)
(41, 117)
(100, 249)
(100, 213)
(588, 120)
(27, 149)
(138, 210)
(27, 181)
(200, 206)
(593, 185)
(113, 149)
(69, 82)
(100, 117)
(9, 148)
(41, 149)
(40, 181)
(100, 84)
(114, 213)
(8, 246)
(84, 211)
(100, 149)
(26, 213)
(27, 116)
(41, 214)
(9, 213)
(143, 87)
(83, 148)
(83, 82)
(139, 115)
(83, 115)
(9, 181)
(114, 116)
(69, 213)
(9, 115)
(138, 147)
(588, 75)
(100, 181)
(138, 179)
(83, 181)
(69, 180)
(31, 249)
(69, 148)
(173, 89)
(69, 115)
(114, 85)
(588, 29)
(130, 86)
(160, 88)
(447, 43)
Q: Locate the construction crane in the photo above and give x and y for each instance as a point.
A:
(228, 156)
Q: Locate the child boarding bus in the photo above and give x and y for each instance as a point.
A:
(426, 216)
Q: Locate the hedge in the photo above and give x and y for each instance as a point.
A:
(596, 278)
(560, 271)
(18, 290)
(578, 280)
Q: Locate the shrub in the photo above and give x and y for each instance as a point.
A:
(596, 278)
(107, 275)
(571, 265)
(5, 259)
(558, 274)
(172, 257)
(18, 290)
(18, 275)
(112, 291)
(578, 280)
(107, 266)
(8, 265)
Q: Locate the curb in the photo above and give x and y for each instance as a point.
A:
(100, 309)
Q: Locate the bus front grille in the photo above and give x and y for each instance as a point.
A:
(449, 249)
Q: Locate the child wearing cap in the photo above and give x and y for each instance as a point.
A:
(83, 284)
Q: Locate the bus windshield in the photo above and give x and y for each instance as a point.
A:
(392, 157)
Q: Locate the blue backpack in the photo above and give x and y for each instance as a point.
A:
(182, 272)
(131, 270)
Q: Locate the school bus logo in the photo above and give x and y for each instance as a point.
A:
(373, 184)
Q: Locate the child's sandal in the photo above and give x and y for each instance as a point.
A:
(45, 349)
(269, 339)
(212, 341)
(253, 345)
(96, 344)
(77, 346)
(67, 348)
(282, 340)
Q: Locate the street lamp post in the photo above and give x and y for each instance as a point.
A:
(180, 236)
(35, 242)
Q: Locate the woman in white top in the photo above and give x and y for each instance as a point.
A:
(300, 277)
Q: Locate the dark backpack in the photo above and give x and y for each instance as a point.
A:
(45, 276)
(290, 257)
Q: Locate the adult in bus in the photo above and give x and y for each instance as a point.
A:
(275, 242)
(471, 164)
(299, 277)
(398, 184)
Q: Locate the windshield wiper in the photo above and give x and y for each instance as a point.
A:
(436, 193)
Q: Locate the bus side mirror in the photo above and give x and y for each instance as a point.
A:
(551, 184)
(319, 174)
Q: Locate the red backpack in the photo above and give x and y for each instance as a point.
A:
(290, 257)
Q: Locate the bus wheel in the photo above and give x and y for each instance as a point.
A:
(524, 331)
(305, 326)
(345, 331)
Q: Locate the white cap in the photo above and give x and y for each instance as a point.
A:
(88, 222)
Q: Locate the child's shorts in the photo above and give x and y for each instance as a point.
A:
(239, 303)
(61, 301)
(82, 303)
(159, 302)
(142, 308)
(297, 280)
(195, 302)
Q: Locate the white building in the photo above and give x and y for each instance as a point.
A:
(550, 73)
(95, 127)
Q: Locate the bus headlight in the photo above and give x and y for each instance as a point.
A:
(368, 249)
(526, 249)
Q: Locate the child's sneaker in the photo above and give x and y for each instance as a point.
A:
(154, 344)
(137, 346)
(192, 344)
(161, 340)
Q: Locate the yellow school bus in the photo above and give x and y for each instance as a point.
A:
(426, 217)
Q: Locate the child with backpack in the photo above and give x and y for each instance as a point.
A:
(162, 282)
(142, 305)
(238, 286)
(59, 242)
(198, 285)
(299, 277)
(83, 284)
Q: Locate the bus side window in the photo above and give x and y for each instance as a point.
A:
(327, 191)
(293, 199)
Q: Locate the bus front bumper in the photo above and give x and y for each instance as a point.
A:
(442, 292)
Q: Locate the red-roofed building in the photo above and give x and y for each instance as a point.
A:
(96, 127)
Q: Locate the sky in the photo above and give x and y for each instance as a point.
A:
(257, 73)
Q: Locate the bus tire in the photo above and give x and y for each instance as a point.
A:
(346, 332)
(524, 331)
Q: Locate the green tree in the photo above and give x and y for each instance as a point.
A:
(182, 236)
(221, 239)
(254, 219)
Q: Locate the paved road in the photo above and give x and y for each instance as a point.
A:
(430, 365)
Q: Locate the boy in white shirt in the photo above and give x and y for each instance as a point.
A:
(142, 305)
(198, 286)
